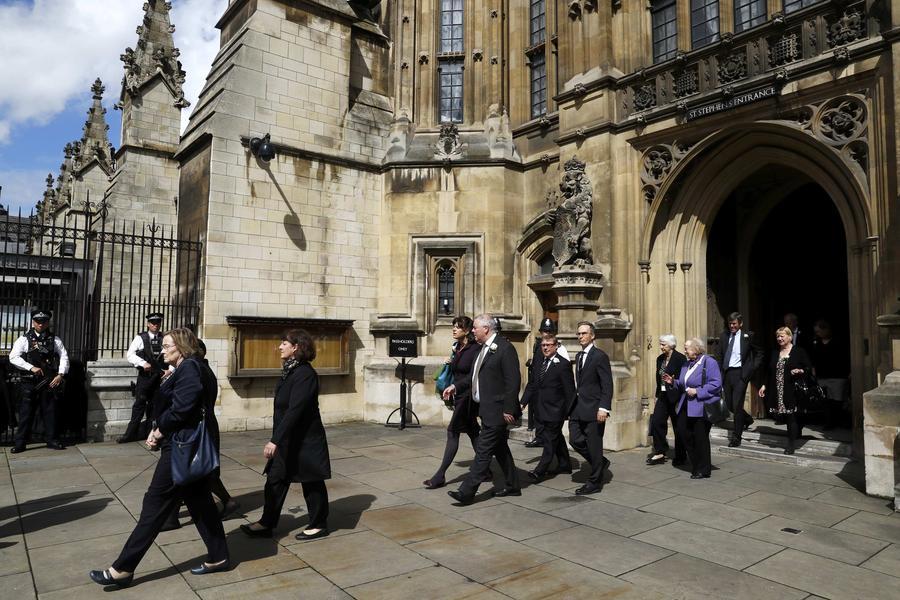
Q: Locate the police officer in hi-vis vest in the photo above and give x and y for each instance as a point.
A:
(145, 354)
(42, 363)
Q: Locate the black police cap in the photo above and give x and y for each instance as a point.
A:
(547, 326)
(155, 316)
(41, 315)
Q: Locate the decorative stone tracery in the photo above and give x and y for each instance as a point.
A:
(656, 164)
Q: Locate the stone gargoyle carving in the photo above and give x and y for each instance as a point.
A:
(571, 217)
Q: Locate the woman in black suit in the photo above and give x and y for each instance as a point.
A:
(183, 401)
(464, 409)
(669, 362)
(778, 393)
(298, 449)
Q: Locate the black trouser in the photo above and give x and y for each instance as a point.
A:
(733, 390)
(554, 445)
(144, 389)
(695, 431)
(29, 399)
(161, 499)
(792, 421)
(492, 441)
(314, 492)
(665, 411)
(586, 437)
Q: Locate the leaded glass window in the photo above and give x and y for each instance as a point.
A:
(451, 26)
(792, 5)
(538, 22)
(748, 13)
(450, 88)
(446, 276)
(704, 22)
(665, 29)
(538, 85)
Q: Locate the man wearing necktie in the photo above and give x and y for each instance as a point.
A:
(739, 356)
(552, 390)
(593, 401)
(495, 388)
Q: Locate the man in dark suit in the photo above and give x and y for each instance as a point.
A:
(552, 390)
(495, 388)
(548, 327)
(739, 356)
(593, 402)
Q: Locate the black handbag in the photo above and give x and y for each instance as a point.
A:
(715, 412)
(194, 455)
(809, 394)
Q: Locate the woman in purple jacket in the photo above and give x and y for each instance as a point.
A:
(699, 382)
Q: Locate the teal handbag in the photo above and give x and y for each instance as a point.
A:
(443, 379)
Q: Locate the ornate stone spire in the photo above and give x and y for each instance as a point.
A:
(155, 54)
(95, 139)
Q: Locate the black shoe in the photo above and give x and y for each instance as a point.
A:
(533, 444)
(54, 445)
(506, 492)
(126, 439)
(656, 460)
(433, 484)
(605, 463)
(588, 488)
(303, 536)
(734, 443)
(679, 462)
(460, 497)
(104, 578)
(566, 471)
(535, 476)
(257, 533)
(788, 450)
(16, 449)
(699, 476)
(230, 507)
(205, 569)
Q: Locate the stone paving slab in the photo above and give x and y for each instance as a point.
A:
(651, 533)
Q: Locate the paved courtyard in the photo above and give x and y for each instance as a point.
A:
(754, 530)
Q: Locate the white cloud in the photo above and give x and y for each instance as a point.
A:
(54, 49)
(22, 188)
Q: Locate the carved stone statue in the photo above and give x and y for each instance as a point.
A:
(571, 218)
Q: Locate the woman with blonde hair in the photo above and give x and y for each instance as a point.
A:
(184, 404)
(778, 393)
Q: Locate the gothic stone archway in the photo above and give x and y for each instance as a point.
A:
(690, 186)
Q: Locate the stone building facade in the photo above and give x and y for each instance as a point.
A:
(420, 145)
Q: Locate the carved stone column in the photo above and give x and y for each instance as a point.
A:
(881, 423)
(578, 289)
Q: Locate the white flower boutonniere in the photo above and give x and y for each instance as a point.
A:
(554, 360)
(492, 348)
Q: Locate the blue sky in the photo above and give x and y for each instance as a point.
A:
(52, 51)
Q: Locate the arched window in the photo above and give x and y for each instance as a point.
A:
(664, 17)
(446, 297)
(545, 264)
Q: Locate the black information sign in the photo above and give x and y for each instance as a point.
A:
(733, 102)
(403, 344)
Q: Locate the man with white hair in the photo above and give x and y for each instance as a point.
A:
(495, 388)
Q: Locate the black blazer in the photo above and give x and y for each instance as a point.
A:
(461, 367)
(499, 381)
(297, 429)
(797, 359)
(751, 354)
(676, 361)
(594, 384)
(182, 397)
(556, 393)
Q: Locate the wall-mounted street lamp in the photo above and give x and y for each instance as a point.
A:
(262, 148)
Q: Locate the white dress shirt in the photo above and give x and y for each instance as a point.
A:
(734, 361)
(477, 366)
(137, 344)
(20, 347)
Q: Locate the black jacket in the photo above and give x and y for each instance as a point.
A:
(182, 397)
(676, 361)
(499, 381)
(297, 430)
(751, 354)
(594, 385)
(555, 394)
(797, 359)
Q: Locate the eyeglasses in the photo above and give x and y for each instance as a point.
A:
(167, 346)
(547, 345)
